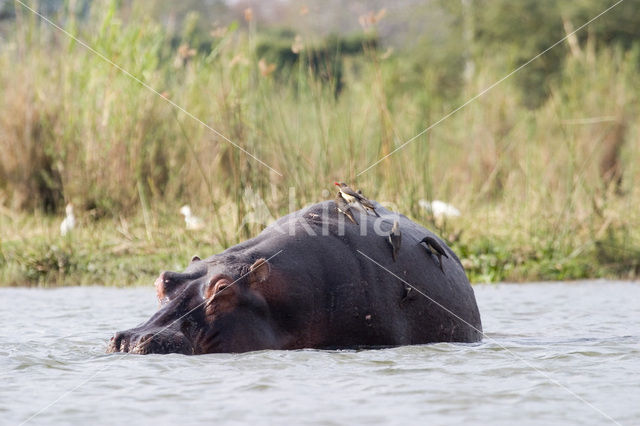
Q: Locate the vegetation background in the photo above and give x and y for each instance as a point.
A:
(544, 167)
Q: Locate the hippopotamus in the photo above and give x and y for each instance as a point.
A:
(312, 280)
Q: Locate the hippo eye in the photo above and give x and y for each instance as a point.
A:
(222, 286)
(216, 286)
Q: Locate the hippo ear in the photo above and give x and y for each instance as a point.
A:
(259, 271)
(195, 259)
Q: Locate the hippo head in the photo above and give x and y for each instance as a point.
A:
(208, 308)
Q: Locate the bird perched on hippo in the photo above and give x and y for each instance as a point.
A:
(312, 279)
(355, 198)
(395, 240)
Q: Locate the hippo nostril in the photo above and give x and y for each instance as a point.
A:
(146, 343)
(145, 339)
(118, 343)
(142, 342)
(124, 345)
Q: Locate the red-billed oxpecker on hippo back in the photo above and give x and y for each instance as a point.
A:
(313, 279)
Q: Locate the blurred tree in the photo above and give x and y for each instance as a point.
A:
(518, 31)
(620, 26)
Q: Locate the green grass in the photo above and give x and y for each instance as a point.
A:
(127, 252)
(546, 193)
(108, 252)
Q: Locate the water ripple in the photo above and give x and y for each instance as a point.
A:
(583, 336)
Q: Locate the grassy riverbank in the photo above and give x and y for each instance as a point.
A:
(544, 167)
(492, 245)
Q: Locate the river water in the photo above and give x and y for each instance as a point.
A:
(553, 353)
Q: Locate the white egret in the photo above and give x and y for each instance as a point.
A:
(439, 209)
(192, 222)
(69, 221)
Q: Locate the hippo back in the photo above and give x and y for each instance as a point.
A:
(338, 285)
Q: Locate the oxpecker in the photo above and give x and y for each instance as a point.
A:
(343, 207)
(395, 239)
(355, 199)
(433, 246)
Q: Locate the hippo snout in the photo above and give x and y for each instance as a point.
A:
(149, 342)
(118, 343)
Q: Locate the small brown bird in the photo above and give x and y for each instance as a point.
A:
(406, 294)
(343, 207)
(434, 246)
(395, 239)
(354, 198)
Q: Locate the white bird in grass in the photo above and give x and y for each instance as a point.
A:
(439, 209)
(193, 222)
(69, 221)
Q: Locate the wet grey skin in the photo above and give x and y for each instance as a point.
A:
(434, 247)
(311, 284)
